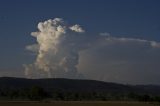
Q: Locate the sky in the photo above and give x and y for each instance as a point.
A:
(119, 42)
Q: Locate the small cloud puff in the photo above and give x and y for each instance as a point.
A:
(77, 28)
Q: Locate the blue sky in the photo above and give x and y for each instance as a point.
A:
(138, 19)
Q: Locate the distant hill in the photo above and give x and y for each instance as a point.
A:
(77, 86)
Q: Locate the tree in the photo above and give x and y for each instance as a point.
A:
(36, 93)
(145, 98)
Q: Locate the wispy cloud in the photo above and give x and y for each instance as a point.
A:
(33, 48)
(113, 39)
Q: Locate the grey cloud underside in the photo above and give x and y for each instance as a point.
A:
(123, 60)
(66, 51)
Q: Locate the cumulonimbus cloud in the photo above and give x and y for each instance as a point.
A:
(57, 50)
(58, 46)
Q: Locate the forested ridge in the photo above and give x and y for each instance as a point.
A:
(74, 90)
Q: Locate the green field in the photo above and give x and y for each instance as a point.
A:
(70, 103)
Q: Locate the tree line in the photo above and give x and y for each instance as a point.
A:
(36, 93)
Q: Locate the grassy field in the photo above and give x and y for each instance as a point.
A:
(70, 103)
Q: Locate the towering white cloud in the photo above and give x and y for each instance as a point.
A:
(57, 50)
(58, 47)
